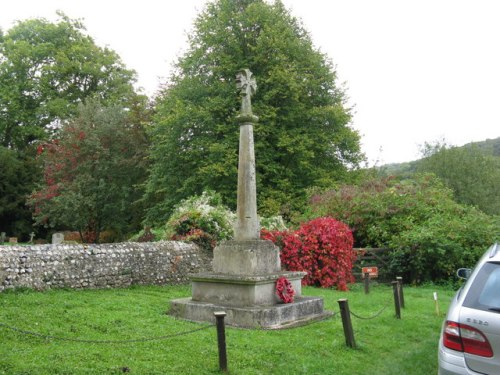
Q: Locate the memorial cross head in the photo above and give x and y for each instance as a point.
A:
(247, 86)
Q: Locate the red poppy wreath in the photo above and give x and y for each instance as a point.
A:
(284, 290)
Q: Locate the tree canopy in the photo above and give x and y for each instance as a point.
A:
(46, 69)
(303, 137)
(17, 175)
(92, 173)
(471, 172)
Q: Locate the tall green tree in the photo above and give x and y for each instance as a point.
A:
(93, 173)
(46, 70)
(472, 174)
(17, 175)
(303, 137)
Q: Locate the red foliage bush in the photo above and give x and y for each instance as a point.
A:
(322, 247)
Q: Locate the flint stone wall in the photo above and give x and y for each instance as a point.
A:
(118, 265)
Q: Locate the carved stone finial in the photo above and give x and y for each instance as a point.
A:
(248, 87)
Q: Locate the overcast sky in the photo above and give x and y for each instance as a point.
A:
(415, 71)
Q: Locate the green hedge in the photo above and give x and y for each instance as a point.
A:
(431, 235)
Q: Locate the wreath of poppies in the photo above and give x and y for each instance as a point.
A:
(284, 290)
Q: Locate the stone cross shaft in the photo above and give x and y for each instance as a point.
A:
(247, 224)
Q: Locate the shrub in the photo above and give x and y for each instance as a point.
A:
(430, 234)
(438, 246)
(201, 219)
(273, 223)
(72, 236)
(106, 236)
(145, 235)
(322, 247)
(110, 236)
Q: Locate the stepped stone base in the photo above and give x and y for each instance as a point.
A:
(243, 284)
(302, 311)
(249, 301)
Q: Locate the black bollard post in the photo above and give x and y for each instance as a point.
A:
(397, 303)
(367, 283)
(221, 339)
(401, 294)
(346, 322)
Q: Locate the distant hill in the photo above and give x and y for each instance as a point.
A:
(489, 147)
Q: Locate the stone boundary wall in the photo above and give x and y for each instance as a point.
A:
(117, 265)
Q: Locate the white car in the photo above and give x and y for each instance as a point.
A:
(470, 338)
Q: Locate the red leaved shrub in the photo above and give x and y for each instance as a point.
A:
(322, 247)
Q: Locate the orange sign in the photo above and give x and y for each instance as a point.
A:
(372, 271)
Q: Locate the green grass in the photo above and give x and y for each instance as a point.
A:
(385, 345)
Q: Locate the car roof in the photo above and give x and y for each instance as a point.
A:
(493, 253)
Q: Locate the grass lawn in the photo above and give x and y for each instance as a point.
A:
(385, 345)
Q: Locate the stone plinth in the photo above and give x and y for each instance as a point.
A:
(243, 290)
(252, 257)
(243, 284)
(249, 301)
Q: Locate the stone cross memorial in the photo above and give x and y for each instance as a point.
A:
(246, 269)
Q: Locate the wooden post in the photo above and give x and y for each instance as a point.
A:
(397, 303)
(367, 283)
(399, 279)
(221, 340)
(346, 322)
(436, 302)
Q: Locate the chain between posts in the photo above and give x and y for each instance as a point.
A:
(58, 338)
(376, 315)
(346, 313)
(51, 337)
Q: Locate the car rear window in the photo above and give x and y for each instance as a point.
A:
(484, 293)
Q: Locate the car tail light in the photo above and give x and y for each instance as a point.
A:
(466, 339)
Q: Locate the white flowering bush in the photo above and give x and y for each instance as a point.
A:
(273, 223)
(202, 219)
